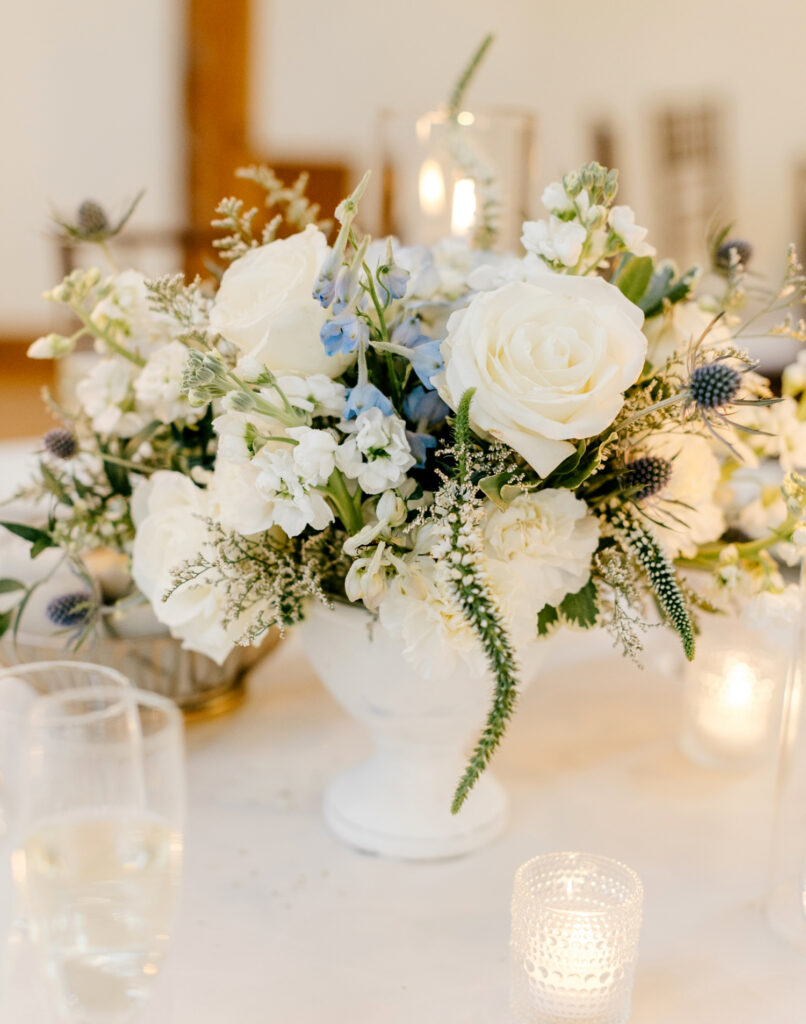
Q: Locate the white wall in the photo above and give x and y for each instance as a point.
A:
(91, 108)
(327, 67)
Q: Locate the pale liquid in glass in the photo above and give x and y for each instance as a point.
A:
(101, 892)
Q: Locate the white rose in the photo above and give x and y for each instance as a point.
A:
(265, 306)
(550, 362)
(159, 385)
(168, 512)
(555, 240)
(547, 540)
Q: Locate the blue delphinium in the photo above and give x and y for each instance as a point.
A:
(426, 360)
(344, 333)
(419, 445)
(363, 397)
(392, 278)
(425, 408)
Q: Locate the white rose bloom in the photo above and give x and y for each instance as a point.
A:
(159, 385)
(547, 540)
(103, 395)
(316, 394)
(377, 453)
(622, 222)
(675, 330)
(687, 508)
(168, 512)
(554, 240)
(265, 306)
(550, 363)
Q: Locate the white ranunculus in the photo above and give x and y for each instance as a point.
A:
(549, 363)
(555, 240)
(158, 386)
(169, 514)
(106, 395)
(546, 540)
(376, 453)
(622, 222)
(265, 306)
(679, 327)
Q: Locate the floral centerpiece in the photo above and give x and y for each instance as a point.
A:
(476, 448)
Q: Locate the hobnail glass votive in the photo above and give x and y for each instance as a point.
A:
(576, 919)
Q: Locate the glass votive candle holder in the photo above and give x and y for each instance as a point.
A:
(732, 694)
(576, 919)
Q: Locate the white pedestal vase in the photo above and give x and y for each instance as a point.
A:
(397, 802)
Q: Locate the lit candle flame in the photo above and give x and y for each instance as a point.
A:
(432, 188)
(464, 206)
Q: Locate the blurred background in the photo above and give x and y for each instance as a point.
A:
(700, 104)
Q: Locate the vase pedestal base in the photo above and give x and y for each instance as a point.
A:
(392, 806)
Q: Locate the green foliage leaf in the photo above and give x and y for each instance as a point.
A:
(8, 586)
(634, 277)
(54, 484)
(548, 618)
(586, 465)
(6, 618)
(134, 443)
(663, 288)
(118, 478)
(580, 608)
(497, 490)
(40, 539)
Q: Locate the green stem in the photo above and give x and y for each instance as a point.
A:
(344, 503)
(113, 345)
(708, 554)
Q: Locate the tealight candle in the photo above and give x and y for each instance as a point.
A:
(731, 700)
(576, 919)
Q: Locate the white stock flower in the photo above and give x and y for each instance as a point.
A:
(368, 577)
(314, 454)
(549, 363)
(159, 385)
(126, 315)
(546, 540)
(622, 222)
(316, 394)
(679, 327)
(50, 346)
(376, 453)
(106, 395)
(556, 199)
(555, 240)
(265, 306)
(169, 514)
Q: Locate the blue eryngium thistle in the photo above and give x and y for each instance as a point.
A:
(646, 476)
(363, 397)
(71, 610)
(61, 443)
(724, 255)
(344, 333)
(714, 385)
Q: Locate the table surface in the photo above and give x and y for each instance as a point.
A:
(282, 924)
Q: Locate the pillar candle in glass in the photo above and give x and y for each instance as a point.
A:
(576, 920)
(448, 177)
(732, 695)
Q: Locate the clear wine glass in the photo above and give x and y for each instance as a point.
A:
(19, 689)
(99, 855)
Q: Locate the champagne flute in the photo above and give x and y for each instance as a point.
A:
(19, 688)
(99, 858)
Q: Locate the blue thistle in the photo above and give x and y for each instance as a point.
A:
(714, 385)
(72, 610)
(61, 443)
(743, 249)
(646, 476)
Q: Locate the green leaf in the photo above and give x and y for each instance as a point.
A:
(54, 484)
(32, 534)
(118, 478)
(7, 586)
(663, 287)
(140, 438)
(580, 608)
(588, 465)
(548, 618)
(6, 618)
(634, 278)
(495, 486)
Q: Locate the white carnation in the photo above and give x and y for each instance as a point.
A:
(546, 540)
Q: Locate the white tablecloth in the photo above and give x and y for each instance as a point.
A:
(281, 924)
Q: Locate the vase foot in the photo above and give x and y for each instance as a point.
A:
(407, 815)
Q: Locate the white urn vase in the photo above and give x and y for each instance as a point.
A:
(397, 802)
